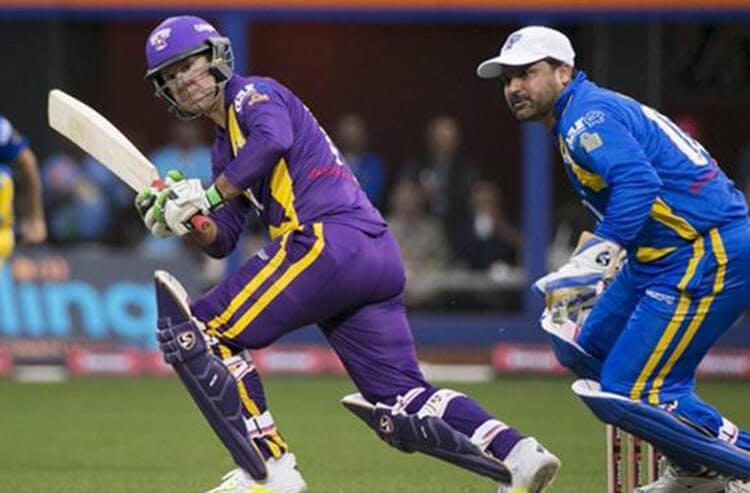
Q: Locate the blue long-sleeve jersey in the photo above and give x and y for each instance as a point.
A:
(652, 186)
(11, 145)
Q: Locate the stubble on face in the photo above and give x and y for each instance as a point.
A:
(531, 91)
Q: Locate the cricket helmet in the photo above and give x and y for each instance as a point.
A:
(178, 38)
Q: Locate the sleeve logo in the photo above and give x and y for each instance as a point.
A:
(591, 141)
(589, 120)
(256, 93)
(593, 117)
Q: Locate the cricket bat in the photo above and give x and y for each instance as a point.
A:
(93, 133)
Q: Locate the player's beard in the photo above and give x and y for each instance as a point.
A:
(522, 108)
(527, 108)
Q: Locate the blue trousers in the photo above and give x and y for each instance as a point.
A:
(655, 323)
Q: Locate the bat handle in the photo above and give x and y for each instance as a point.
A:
(199, 221)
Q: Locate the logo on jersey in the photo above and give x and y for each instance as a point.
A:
(512, 39)
(591, 141)
(255, 92)
(593, 117)
(159, 38)
(587, 121)
(257, 98)
(573, 132)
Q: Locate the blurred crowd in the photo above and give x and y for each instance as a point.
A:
(459, 242)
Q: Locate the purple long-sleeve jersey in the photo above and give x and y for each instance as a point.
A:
(289, 169)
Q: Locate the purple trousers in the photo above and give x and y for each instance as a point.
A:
(349, 283)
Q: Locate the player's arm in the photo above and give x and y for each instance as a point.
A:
(14, 149)
(612, 152)
(225, 227)
(269, 134)
(32, 226)
(269, 137)
(268, 128)
(608, 150)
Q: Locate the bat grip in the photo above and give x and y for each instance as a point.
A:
(199, 222)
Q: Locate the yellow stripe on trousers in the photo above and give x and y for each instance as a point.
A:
(225, 353)
(276, 288)
(247, 401)
(674, 323)
(275, 444)
(703, 306)
(251, 287)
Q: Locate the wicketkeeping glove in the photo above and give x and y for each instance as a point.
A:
(577, 284)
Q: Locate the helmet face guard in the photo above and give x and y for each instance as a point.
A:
(220, 66)
(176, 40)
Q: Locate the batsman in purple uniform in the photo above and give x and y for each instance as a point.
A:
(331, 262)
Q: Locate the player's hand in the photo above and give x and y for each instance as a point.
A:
(33, 231)
(144, 204)
(181, 200)
(577, 284)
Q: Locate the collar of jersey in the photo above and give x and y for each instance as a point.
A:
(567, 95)
(234, 85)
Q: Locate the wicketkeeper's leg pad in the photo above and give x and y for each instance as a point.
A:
(427, 434)
(207, 379)
(569, 353)
(664, 430)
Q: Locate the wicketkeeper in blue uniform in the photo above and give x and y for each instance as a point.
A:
(663, 204)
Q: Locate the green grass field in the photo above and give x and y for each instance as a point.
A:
(112, 435)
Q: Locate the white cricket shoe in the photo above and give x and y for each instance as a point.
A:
(675, 480)
(737, 486)
(533, 467)
(283, 477)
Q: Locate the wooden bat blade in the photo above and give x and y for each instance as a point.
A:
(93, 133)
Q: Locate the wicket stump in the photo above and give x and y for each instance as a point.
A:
(631, 462)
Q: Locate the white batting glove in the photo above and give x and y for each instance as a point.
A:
(183, 199)
(577, 284)
(144, 204)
